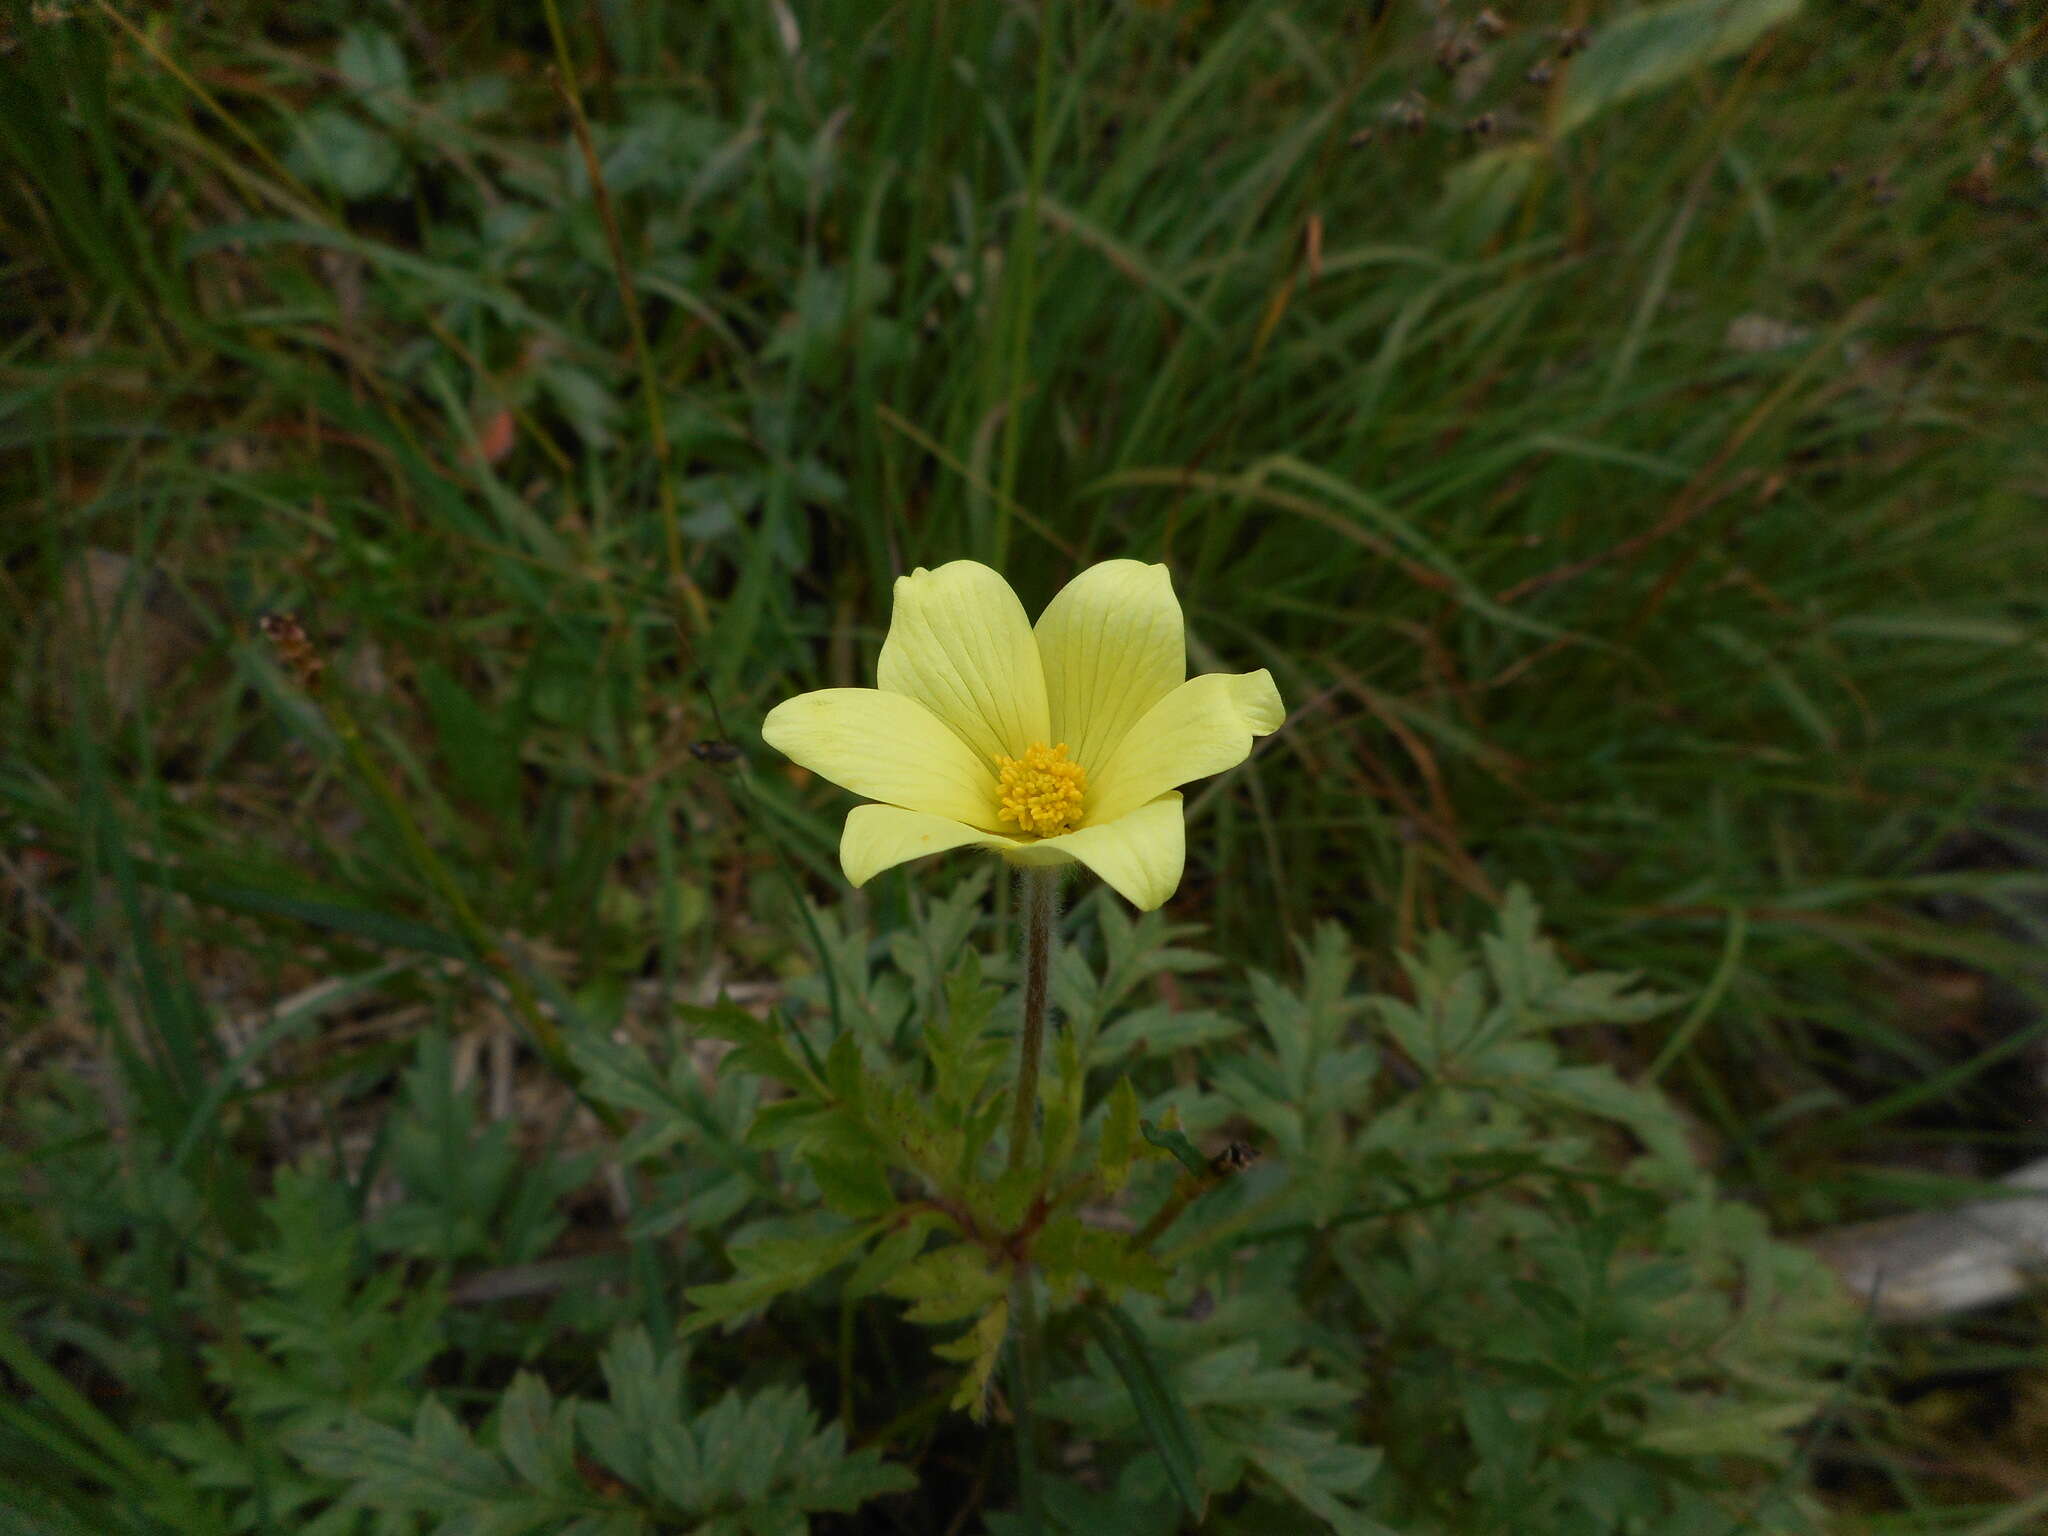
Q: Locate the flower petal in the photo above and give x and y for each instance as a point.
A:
(1113, 646)
(959, 643)
(1139, 855)
(1204, 726)
(885, 747)
(879, 837)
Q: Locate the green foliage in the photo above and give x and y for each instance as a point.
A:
(1671, 625)
(1158, 1408)
(1499, 1264)
(472, 1194)
(326, 1411)
(637, 1463)
(771, 1267)
(1175, 1141)
(1658, 44)
(1631, 478)
(1471, 1281)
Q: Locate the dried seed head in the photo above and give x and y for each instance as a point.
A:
(1234, 1158)
(1455, 52)
(1541, 72)
(1573, 40)
(1489, 22)
(294, 649)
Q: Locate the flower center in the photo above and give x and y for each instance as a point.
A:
(1041, 791)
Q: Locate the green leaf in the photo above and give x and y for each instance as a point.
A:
(762, 1455)
(1176, 1142)
(378, 928)
(1735, 1429)
(1160, 1031)
(590, 408)
(768, 1269)
(333, 149)
(998, 1204)
(1119, 1136)
(1232, 1377)
(760, 1045)
(1071, 1251)
(539, 1441)
(640, 1423)
(855, 1185)
(913, 1131)
(889, 1256)
(1659, 44)
(1159, 1409)
(1946, 626)
(947, 1284)
(447, 280)
(1317, 1469)
(384, 1468)
(1481, 192)
(477, 96)
(843, 1072)
(1062, 1094)
(481, 755)
(1597, 1091)
(371, 61)
(962, 1052)
(980, 1347)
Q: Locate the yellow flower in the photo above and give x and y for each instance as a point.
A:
(1050, 745)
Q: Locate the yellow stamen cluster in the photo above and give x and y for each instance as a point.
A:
(1041, 791)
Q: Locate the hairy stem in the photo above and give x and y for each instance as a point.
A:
(1040, 889)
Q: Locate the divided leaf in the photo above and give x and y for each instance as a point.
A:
(656, 1466)
(1119, 1136)
(759, 1045)
(979, 1347)
(947, 1284)
(770, 1268)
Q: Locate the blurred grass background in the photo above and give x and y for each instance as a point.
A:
(1629, 461)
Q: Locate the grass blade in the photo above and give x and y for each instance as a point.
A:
(1159, 1407)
